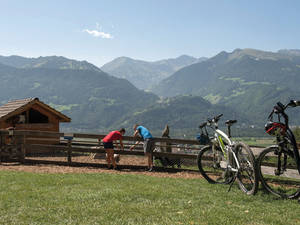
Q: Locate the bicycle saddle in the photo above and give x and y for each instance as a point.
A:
(230, 122)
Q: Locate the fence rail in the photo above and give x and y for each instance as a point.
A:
(18, 144)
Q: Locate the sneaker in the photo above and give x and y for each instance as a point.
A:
(110, 167)
(116, 168)
(150, 169)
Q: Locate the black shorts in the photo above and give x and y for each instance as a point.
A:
(108, 145)
(149, 145)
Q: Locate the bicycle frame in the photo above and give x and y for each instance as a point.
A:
(223, 161)
(218, 135)
(282, 145)
(280, 110)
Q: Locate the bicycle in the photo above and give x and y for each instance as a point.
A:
(224, 161)
(279, 165)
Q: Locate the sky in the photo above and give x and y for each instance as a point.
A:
(99, 31)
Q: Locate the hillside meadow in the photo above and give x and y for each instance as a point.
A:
(122, 198)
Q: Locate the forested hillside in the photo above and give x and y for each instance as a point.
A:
(93, 99)
(250, 81)
(184, 114)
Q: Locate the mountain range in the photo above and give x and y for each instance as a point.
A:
(144, 74)
(95, 100)
(48, 62)
(243, 84)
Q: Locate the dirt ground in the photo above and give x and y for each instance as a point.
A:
(125, 160)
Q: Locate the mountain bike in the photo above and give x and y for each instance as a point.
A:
(279, 165)
(224, 161)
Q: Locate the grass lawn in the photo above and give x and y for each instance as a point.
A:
(30, 198)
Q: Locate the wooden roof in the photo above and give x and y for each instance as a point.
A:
(18, 106)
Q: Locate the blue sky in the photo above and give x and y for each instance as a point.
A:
(99, 31)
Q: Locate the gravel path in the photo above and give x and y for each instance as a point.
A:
(125, 160)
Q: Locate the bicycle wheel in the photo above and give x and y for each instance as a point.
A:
(247, 177)
(213, 165)
(287, 183)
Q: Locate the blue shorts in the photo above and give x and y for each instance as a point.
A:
(108, 145)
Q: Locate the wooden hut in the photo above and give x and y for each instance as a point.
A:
(33, 115)
(30, 114)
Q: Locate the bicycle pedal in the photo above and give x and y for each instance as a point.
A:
(227, 174)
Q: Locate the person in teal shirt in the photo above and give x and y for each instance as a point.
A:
(149, 143)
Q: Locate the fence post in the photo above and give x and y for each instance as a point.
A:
(23, 150)
(17, 147)
(69, 151)
(69, 137)
(2, 142)
(99, 142)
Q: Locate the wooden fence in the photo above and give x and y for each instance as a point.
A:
(18, 144)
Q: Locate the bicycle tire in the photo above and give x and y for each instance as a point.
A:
(284, 185)
(247, 177)
(209, 164)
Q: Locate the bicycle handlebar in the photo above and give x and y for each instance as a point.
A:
(293, 103)
(203, 125)
(279, 108)
(282, 107)
(214, 120)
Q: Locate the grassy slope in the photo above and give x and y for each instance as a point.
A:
(28, 198)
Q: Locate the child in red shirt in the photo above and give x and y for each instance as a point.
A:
(109, 147)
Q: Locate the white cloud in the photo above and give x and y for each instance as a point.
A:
(97, 33)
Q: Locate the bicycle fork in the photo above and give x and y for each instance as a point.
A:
(280, 168)
(232, 158)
